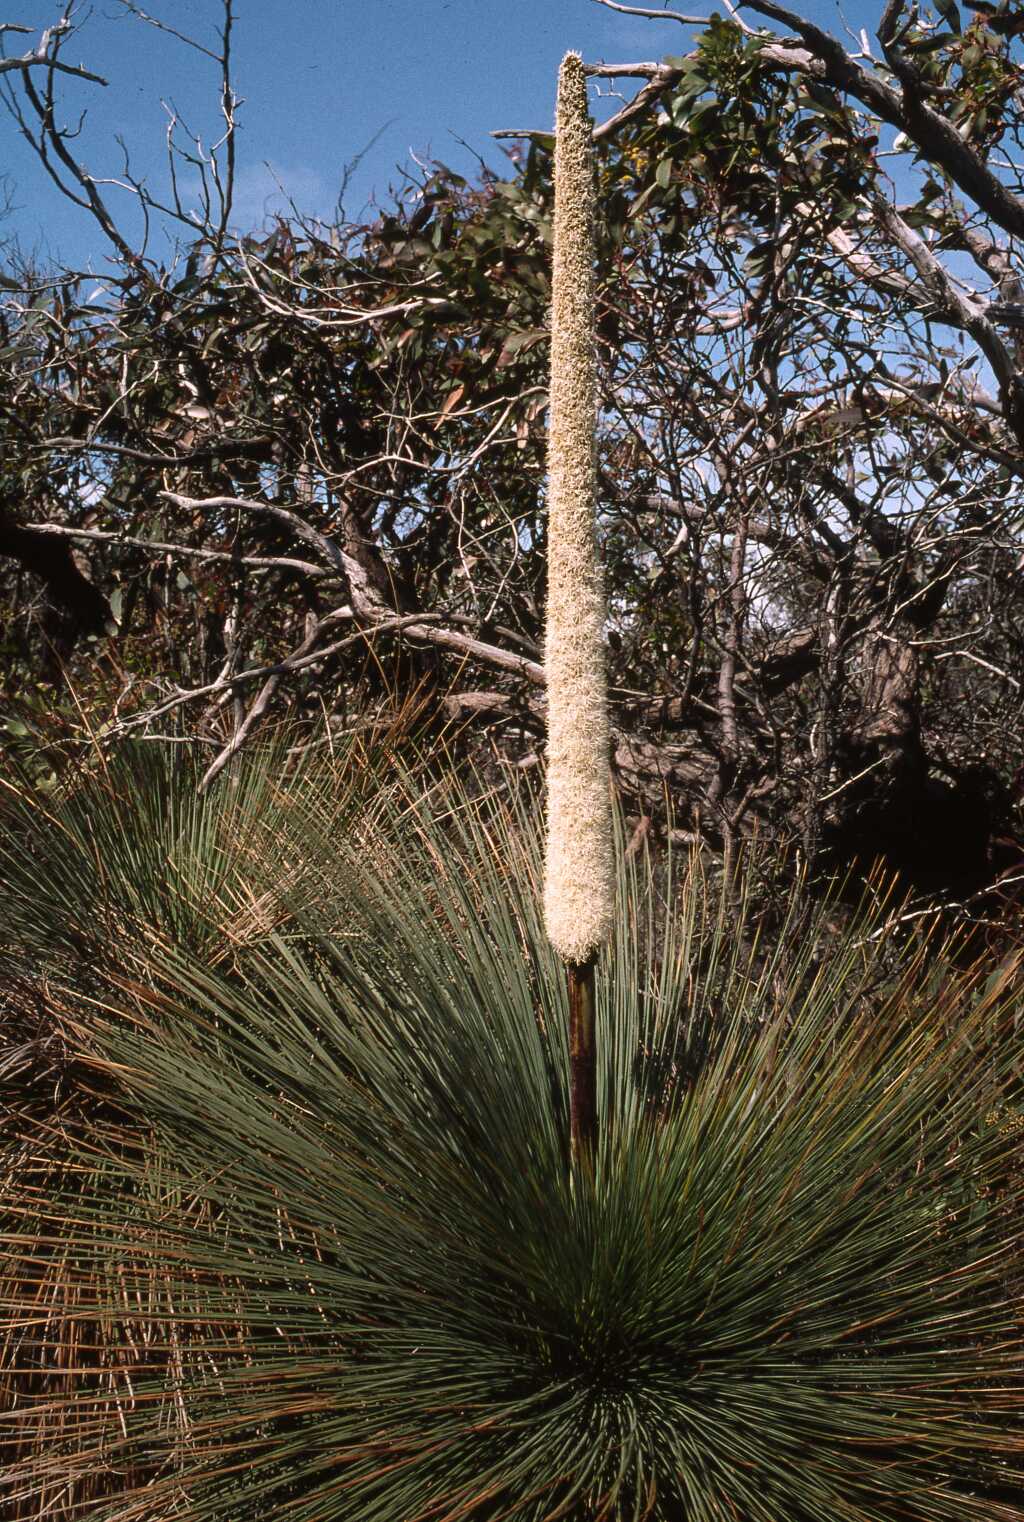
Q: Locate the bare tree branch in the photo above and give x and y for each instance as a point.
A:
(186, 551)
(655, 15)
(365, 599)
(44, 55)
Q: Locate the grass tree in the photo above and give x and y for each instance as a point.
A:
(319, 1255)
(336, 1268)
(579, 874)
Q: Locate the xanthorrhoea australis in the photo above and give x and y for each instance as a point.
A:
(579, 873)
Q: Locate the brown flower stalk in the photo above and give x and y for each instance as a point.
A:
(579, 876)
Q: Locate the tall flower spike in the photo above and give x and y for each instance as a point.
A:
(579, 876)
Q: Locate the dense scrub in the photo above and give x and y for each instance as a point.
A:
(303, 471)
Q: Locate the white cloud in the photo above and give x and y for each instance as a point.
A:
(263, 190)
(620, 38)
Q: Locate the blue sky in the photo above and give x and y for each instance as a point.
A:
(320, 80)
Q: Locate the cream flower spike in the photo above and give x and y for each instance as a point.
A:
(579, 876)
